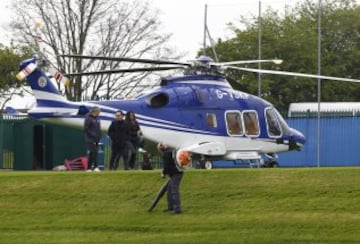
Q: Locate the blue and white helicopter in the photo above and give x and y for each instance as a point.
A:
(197, 112)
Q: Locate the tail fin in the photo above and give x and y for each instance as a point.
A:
(11, 111)
(43, 88)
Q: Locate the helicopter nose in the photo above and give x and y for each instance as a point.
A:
(296, 140)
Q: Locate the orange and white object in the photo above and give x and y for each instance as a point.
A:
(59, 77)
(183, 159)
(26, 71)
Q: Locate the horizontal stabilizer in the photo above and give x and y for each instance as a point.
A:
(13, 111)
(10, 110)
(40, 112)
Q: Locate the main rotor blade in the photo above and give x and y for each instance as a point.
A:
(275, 61)
(275, 72)
(133, 60)
(130, 70)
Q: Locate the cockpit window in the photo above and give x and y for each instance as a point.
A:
(233, 123)
(251, 123)
(273, 124)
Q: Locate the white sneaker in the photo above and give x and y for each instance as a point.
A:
(97, 169)
(89, 170)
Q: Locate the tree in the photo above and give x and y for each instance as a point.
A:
(93, 27)
(293, 38)
(10, 58)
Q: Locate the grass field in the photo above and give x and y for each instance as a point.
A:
(309, 205)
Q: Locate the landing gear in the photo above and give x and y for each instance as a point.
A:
(272, 164)
(271, 161)
(205, 163)
(208, 165)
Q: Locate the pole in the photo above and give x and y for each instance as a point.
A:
(205, 29)
(259, 46)
(319, 85)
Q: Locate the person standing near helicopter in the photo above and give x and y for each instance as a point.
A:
(92, 137)
(175, 175)
(134, 135)
(118, 134)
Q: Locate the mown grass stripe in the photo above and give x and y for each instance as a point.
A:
(307, 205)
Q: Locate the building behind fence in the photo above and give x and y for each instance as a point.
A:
(339, 142)
(339, 134)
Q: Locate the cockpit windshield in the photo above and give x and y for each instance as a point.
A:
(273, 123)
(276, 125)
(284, 126)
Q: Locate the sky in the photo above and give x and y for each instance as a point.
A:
(5, 19)
(183, 19)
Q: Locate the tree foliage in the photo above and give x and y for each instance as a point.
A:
(93, 27)
(293, 37)
(10, 57)
(9, 62)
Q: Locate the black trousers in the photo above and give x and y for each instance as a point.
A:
(116, 153)
(173, 194)
(92, 155)
(132, 153)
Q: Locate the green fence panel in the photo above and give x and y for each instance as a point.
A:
(7, 139)
(63, 143)
(29, 144)
(23, 145)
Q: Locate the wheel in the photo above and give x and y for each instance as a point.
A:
(208, 165)
(273, 164)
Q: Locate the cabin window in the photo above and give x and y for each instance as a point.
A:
(273, 125)
(211, 120)
(251, 123)
(233, 123)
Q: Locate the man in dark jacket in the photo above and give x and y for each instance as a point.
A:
(92, 137)
(118, 133)
(175, 175)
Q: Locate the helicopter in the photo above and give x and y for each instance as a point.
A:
(197, 112)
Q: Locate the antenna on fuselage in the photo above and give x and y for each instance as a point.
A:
(207, 34)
